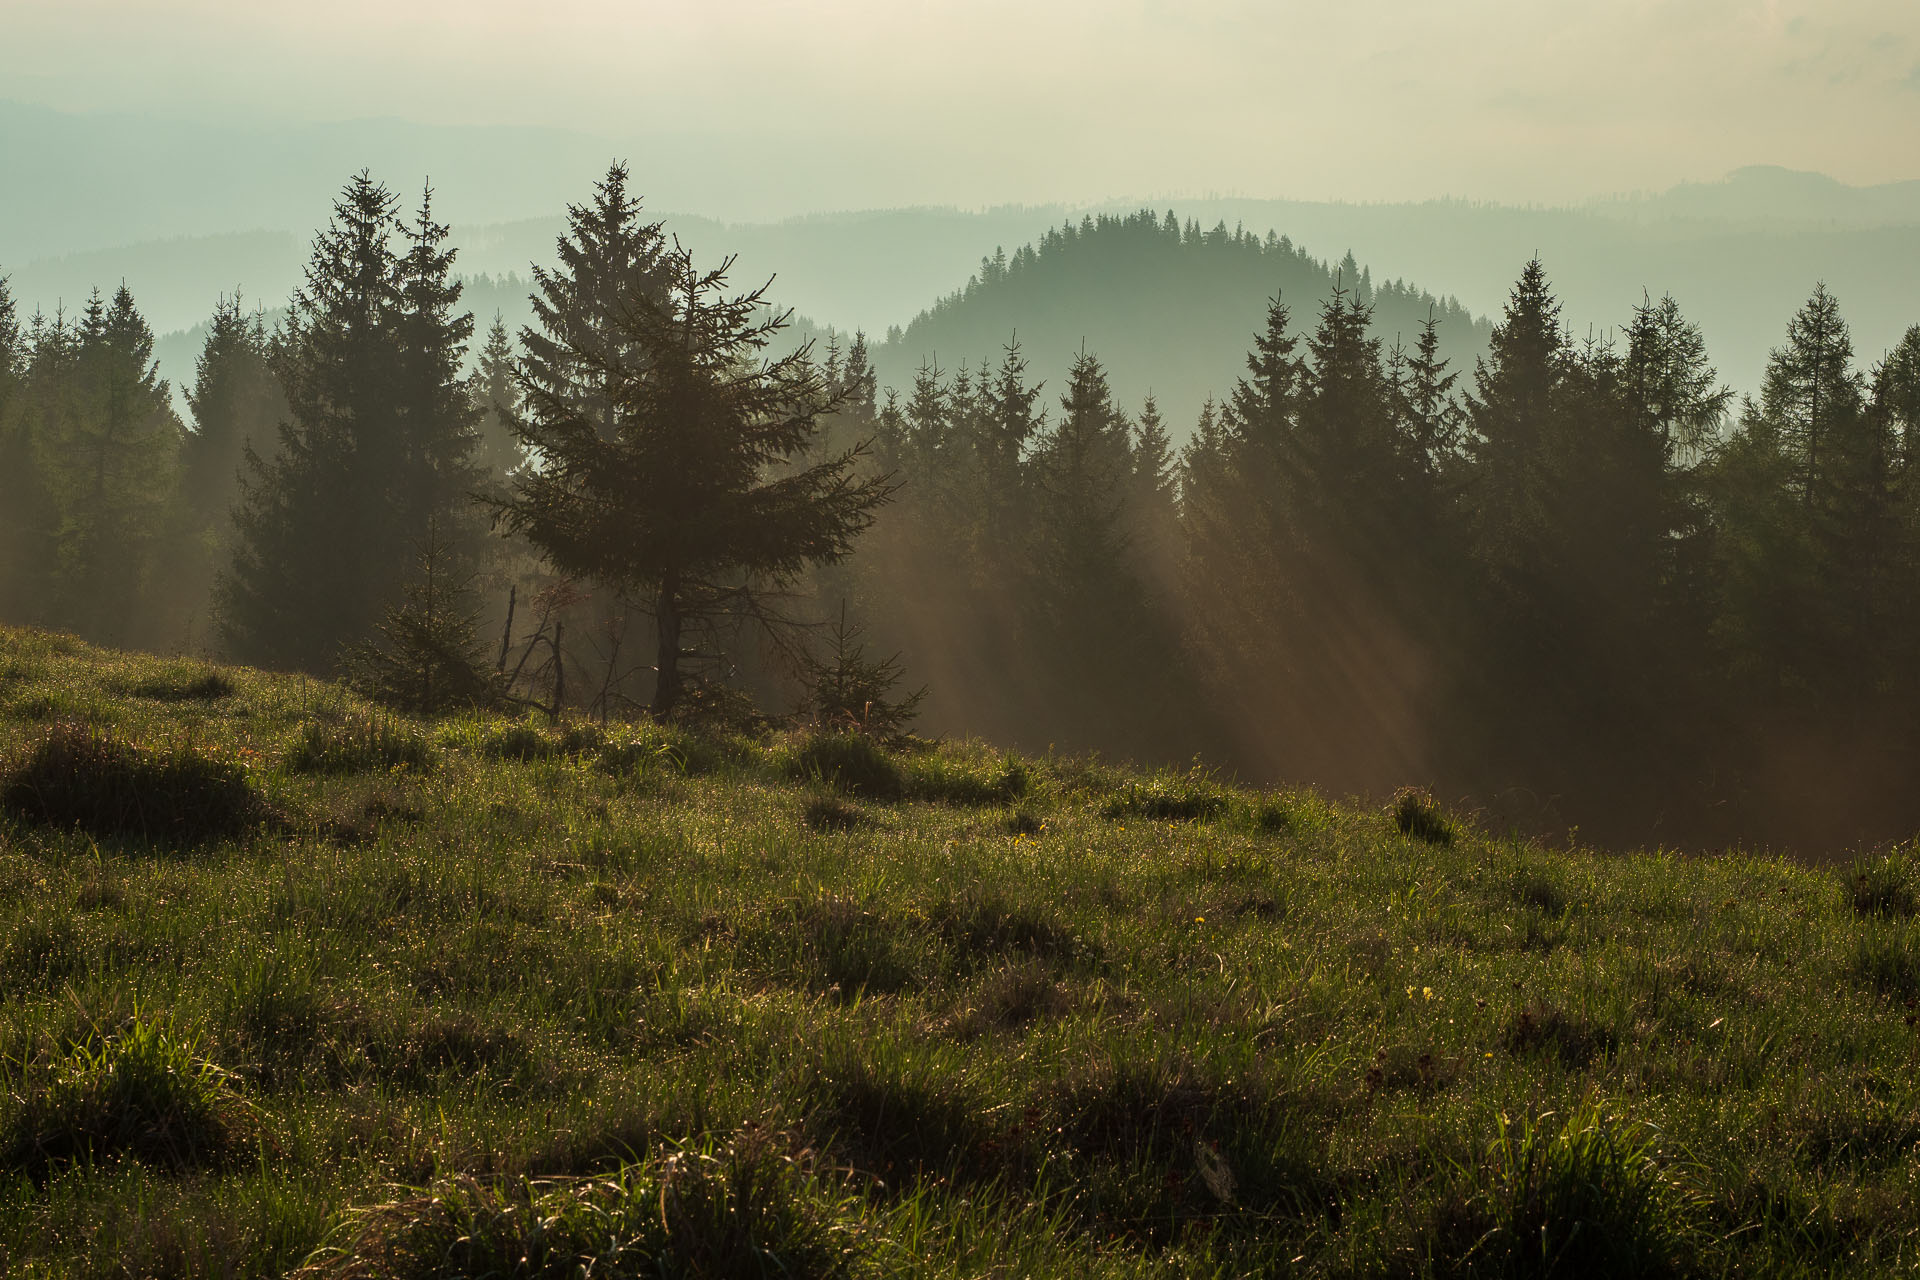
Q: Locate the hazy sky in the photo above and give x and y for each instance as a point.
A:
(985, 101)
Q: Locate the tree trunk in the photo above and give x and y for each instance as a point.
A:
(666, 688)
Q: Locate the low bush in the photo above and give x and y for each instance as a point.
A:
(362, 744)
(143, 1092)
(108, 786)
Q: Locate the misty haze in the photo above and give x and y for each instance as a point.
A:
(1062, 639)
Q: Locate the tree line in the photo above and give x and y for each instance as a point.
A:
(1580, 582)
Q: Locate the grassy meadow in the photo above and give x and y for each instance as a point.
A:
(292, 985)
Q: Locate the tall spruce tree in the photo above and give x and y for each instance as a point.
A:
(1512, 418)
(1787, 501)
(235, 400)
(703, 501)
(1350, 482)
(235, 403)
(611, 264)
(495, 392)
(18, 473)
(109, 456)
(377, 447)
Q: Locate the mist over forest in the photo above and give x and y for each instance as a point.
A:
(1157, 486)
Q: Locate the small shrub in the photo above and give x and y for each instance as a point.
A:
(850, 762)
(830, 813)
(364, 744)
(76, 776)
(143, 1092)
(1417, 815)
(1886, 885)
(185, 685)
(743, 1211)
(853, 693)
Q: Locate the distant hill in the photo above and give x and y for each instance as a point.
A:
(1168, 307)
(186, 210)
(1764, 192)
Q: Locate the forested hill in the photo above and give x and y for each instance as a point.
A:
(1168, 307)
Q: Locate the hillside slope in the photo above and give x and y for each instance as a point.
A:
(268, 953)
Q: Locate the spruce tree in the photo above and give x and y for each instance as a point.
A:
(1430, 417)
(21, 496)
(235, 401)
(1514, 452)
(1350, 478)
(1153, 501)
(1804, 504)
(704, 502)
(110, 458)
(611, 261)
(495, 393)
(377, 447)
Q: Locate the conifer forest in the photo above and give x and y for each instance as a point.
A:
(1574, 581)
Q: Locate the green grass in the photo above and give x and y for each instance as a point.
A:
(486, 996)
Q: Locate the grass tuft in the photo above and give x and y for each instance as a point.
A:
(520, 742)
(184, 684)
(850, 762)
(1575, 1041)
(1417, 815)
(75, 776)
(1886, 961)
(830, 813)
(1574, 1198)
(943, 779)
(361, 744)
(743, 1211)
(144, 1092)
(1192, 797)
(1887, 885)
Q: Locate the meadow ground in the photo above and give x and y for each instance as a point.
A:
(291, 984)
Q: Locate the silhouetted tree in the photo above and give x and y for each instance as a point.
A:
(377, 447)
(676, 467)
(108, 452)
